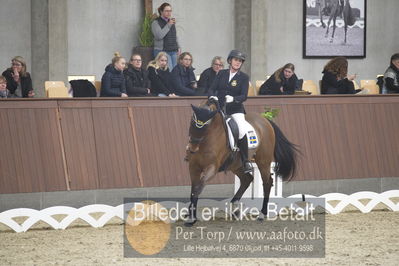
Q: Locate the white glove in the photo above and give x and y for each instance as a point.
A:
(214, 98)
(229, 99)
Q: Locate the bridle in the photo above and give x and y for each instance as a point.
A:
(199, 125)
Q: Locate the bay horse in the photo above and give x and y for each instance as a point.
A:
(208, 153)
(338, 8)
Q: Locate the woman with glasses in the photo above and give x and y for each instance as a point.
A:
(208, 75)
(137, 82)
(183, 77)
(113, 82)
(165, 38)
(19, 82)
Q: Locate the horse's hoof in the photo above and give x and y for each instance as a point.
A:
(261, 217)
(331, 41)
(190, 223)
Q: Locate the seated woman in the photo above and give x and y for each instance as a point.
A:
(208, 75)
(19, 82)
(113, 81)
(391, 76)
(137, 82)
(160, 77)
(183, 78)
(282, 82)
(335, 77)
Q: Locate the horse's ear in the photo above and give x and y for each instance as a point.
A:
(195, 108)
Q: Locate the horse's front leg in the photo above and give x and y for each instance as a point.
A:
(198, 181)
(328, 26)
(346, 29)
(334, 26)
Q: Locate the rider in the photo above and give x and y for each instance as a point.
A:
(231, 87)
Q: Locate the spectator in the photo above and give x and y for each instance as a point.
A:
(113, 81)
(208, 75)
(282, 82)
(137, 82)
(19, 82)
(335, 78)
(3, 87)
(160, 77)
(183, 77)
(391, 76)
(165, 38)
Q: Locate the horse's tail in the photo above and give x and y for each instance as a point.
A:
(285, 155)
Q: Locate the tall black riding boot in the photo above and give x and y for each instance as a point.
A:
(243, 145)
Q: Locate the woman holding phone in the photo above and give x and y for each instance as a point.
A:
(165, 37)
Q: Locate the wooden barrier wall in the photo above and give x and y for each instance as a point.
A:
(78, 144)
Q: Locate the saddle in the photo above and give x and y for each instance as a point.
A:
(231, 128)
(233, 133)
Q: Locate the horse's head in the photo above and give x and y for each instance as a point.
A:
(201, 119)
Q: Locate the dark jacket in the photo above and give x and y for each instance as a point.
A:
(112, 82)
(83, 88)
(182, 79)
(161, 80)
(391, 80)
(26, 83)
(137, 82)
(206, 79)
(272, 86)
(331, 85)
(237, 87)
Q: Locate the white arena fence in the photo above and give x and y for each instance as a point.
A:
(339, 23)
(109, 212)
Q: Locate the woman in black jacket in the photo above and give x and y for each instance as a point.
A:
(19, 82)
(391, 76)
(160, 77)
(183, 77)
(137, 82)
(113, 81)
(208, 75)
(336, 79)
(283, 81)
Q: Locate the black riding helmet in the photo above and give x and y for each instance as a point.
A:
(236, 54)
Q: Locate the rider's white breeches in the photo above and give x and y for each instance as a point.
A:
(243, 125)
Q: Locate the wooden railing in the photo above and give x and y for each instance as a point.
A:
(78, 144)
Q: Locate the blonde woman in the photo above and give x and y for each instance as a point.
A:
(160, 77)
(113, 81)
(19, 82)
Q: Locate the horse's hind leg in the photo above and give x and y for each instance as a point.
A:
(264, 168)
(346, 29)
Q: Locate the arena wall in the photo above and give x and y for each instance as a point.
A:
(60, 38)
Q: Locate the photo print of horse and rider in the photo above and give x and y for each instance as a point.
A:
(334, 28)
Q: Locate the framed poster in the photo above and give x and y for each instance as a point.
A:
(334, 28)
